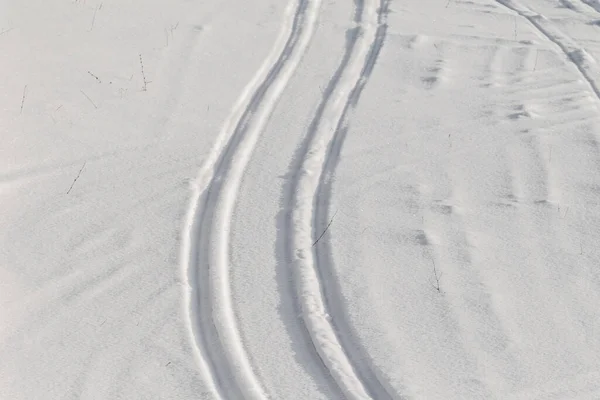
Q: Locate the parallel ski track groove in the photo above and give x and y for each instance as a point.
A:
(376, 385)
(533, 18)
(593, 4)
(212, 321)
(322, 311)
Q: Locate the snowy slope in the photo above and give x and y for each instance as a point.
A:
(309, 199)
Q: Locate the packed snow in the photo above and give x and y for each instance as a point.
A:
(300, 199)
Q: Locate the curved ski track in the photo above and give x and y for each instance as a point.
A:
(211, 316)
(584, 63)
(594, 4)
(307, 198)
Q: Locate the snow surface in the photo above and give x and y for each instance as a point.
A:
(300, 199)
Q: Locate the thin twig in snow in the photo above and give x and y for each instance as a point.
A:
(95, 77)
(326, 228)
(88, 97)
(172, 28)
(23, 99)
(143, 75)
(77, 177)
(94, 17)
(437, 277)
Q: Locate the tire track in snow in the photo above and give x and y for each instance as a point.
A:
(311, 170)
(211, 317)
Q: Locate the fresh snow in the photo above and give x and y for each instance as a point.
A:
(306, 199)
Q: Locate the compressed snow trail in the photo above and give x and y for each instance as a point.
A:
(310, 171)
(205, 249)
(376, 385)
(595, 4)
(586, 65)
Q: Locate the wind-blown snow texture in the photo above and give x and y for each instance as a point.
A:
(307, 199)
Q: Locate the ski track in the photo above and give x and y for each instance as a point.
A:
(211, 317)
(553, 100)
(584, 62)
(307, 199)
(594, 4)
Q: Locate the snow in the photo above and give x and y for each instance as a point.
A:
(371, 199)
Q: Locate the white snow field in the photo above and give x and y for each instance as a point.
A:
(299, 199)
